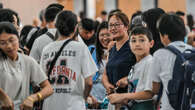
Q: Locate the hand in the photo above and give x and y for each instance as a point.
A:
(117, 98)
(7, 104)
(27, 104)
(109, 88)
(122, 82)
(93, 102)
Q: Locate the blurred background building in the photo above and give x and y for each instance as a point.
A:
(29, 9)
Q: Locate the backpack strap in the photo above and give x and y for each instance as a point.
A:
(50, 35)
(92, 49)
(178, 54)
(56, 57)
(175, 51)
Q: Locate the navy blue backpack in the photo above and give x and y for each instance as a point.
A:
(182, 85)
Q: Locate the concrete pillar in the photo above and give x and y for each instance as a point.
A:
(91, 8)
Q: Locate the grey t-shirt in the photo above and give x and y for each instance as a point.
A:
(40, 43)
(16, 76)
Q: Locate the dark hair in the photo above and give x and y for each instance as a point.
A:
(172, 25)
(96, 25)
(142, 30)
(103, 12)
(150, 17)
(1, 5)
(87, 24)
(7, 15)
(82, 15)
(41, 15)
(9, 28)
(24, 33)
(123, 17)
(57, 5)
(190, 21)
(114, 11)
(137, 20)
(51, 13)
(66, 22)
(180, 13)
(99, 47)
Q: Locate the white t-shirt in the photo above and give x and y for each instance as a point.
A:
(140, 75)
(15, 76)
(162, 69)
(73, 65)
(40, 43)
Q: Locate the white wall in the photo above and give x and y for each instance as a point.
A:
(109, 5)
(190, 7)
(147, 4)
(27, 9)
(78, 6)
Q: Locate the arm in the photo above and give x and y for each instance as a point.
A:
(46, 90)
(109, 87)
(155, 87)
(6, 101)
(118, 98)
(122, 82)
(88, 86)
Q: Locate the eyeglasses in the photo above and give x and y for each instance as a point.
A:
(116, 25)
(10, 41)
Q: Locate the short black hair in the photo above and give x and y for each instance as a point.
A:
(180, 13)
(66, 22)
(7, 15)
(57, 5)
(24, 33)
(142, 30)
(190, 21)
(87, 24)
(8, 27)
(114, 11)
(172, 25)
(103, 12)
(51, 13)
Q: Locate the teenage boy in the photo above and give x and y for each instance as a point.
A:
(172, 33)
(141, 41)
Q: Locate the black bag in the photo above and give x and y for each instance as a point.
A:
(181, 86)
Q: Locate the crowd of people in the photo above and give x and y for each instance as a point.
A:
(77, 63)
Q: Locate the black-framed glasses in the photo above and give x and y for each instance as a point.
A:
(116, 25)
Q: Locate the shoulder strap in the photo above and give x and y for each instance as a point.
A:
(92, 49)
(175, 51)
(56, 57)
(50, 35)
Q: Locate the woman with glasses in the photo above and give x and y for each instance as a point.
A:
(120, 56)
(19, 70)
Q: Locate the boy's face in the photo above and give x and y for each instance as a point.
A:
(140, 45)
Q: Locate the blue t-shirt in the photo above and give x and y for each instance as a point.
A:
(119, 63)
